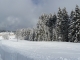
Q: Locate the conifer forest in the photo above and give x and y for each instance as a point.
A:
(60, 26)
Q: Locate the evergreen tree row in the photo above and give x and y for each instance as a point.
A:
(55, 27)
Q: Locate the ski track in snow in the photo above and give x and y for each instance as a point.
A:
(28, 50)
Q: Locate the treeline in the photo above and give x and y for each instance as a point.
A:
(54, 27)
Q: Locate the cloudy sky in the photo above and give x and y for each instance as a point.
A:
(16, 14)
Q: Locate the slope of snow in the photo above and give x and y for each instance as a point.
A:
(28, 50)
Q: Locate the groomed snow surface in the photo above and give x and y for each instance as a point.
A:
(28, 50)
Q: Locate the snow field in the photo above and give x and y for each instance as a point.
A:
(28, 50)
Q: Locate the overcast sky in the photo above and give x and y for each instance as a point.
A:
(16, 14)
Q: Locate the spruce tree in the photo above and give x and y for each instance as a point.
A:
(65, 25)
(42, 29)
(71, 26)
(75, 26)
(51, 24)
(62, 25)
(59, 25)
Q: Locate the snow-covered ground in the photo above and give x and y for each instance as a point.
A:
(28, 50)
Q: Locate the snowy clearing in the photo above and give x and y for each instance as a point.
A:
(28, 50)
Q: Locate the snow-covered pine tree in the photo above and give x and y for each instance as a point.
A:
(27, 34)
(51, 25)
(71, 26)
(54, 34)
(59, 25)
(65, 25)
(35, 35)
(24, 34)
(75, 26)
(62, 25)
(45, 27)
(42, 29)
(32, 35)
